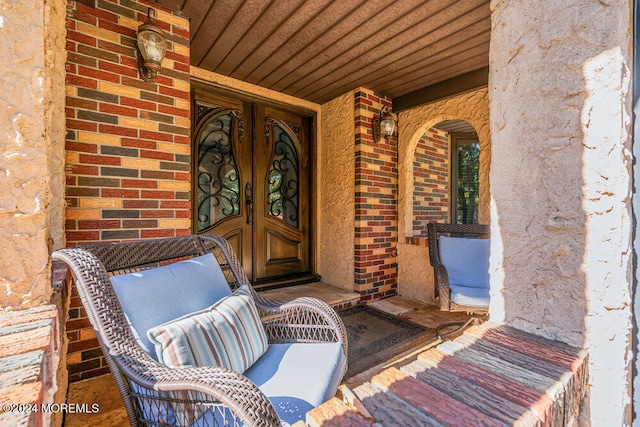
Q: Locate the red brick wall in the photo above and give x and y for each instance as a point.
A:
(128, 142)
(376, 228)
(430, 180)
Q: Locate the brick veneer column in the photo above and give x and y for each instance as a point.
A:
(128, 142)
(430, 180)
(376, 221)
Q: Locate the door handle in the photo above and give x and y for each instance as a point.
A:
(248, 195)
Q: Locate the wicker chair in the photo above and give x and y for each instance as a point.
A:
(148, 387)
(441, 276)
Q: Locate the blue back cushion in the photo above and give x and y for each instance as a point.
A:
(466, 260)
(152, 297)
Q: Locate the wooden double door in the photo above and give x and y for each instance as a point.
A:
(252, 183)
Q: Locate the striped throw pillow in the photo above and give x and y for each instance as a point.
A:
(228, 334)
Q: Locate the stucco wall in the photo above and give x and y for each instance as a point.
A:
(31, 140)
(337, 186)
(415, 275)
(55, 57)
(560, 183)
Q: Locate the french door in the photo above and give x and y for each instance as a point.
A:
(252, 183)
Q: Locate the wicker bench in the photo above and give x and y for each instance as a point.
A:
(300, 365)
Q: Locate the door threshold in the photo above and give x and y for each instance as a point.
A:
(285, 281)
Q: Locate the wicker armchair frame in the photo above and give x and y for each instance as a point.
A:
(440, 274)
(148, 387)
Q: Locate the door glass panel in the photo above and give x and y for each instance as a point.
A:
(283, 177)
(218, 177)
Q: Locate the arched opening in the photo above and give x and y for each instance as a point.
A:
(471, 109)
(446, 175)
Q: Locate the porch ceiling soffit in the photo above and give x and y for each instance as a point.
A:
(320, 49)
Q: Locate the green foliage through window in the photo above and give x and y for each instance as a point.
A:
(468, 156)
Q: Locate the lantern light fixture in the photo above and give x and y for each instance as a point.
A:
(384, 125)
(151, 48)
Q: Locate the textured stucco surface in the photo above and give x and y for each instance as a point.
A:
(30, 147)
(415, 275)
(560, 183)
(55, 57)
(337, 187)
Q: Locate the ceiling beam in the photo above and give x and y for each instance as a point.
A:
(463, 83)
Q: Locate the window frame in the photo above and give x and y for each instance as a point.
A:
(456, 140)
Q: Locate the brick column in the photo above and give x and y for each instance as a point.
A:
(376, 192)
(128, 142)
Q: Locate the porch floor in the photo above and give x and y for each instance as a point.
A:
(102, 390)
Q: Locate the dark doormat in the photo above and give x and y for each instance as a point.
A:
(375, 337)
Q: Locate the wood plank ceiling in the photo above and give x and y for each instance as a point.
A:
(320, 49)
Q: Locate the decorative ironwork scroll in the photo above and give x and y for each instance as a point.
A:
(218, 176)
(283, 177)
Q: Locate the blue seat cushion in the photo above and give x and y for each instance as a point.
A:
(295, 378)
(470, 296)
(466, 260)
(152, 297)
(298, 377)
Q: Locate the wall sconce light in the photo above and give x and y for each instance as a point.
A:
(151, 47)
(383, 125)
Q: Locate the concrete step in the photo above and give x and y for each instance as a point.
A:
(336, 297)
